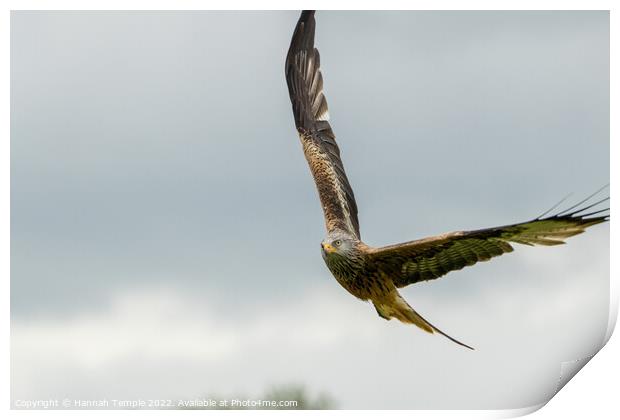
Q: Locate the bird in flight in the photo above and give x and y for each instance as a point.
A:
(376, 274)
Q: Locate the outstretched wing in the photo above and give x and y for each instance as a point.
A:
(433, 257)
(305, 86)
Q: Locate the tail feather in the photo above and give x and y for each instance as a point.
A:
(427, 324)
(399, 308)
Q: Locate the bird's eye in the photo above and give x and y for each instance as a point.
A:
(337, 242)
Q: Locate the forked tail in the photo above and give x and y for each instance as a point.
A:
(419, 317)
(401, 310)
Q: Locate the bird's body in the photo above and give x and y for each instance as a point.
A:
(376, 274)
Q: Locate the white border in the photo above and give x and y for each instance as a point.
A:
(592, 394)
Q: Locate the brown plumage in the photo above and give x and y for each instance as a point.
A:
(375, 274)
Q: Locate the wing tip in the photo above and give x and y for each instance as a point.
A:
(306, 15)
(303, 36)
(573, 211)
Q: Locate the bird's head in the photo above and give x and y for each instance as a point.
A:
(339, 244)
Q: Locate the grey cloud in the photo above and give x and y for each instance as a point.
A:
(157, 149)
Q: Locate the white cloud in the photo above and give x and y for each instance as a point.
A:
(170, 343)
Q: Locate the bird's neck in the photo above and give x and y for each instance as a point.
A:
(345, 265)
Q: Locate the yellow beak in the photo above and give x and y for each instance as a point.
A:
(327, 247)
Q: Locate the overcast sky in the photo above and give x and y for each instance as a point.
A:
(165, 227)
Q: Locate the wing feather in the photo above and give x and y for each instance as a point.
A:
(433, 257)
(305, 84)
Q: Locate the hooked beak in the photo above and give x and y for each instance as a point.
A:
(328, 248)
